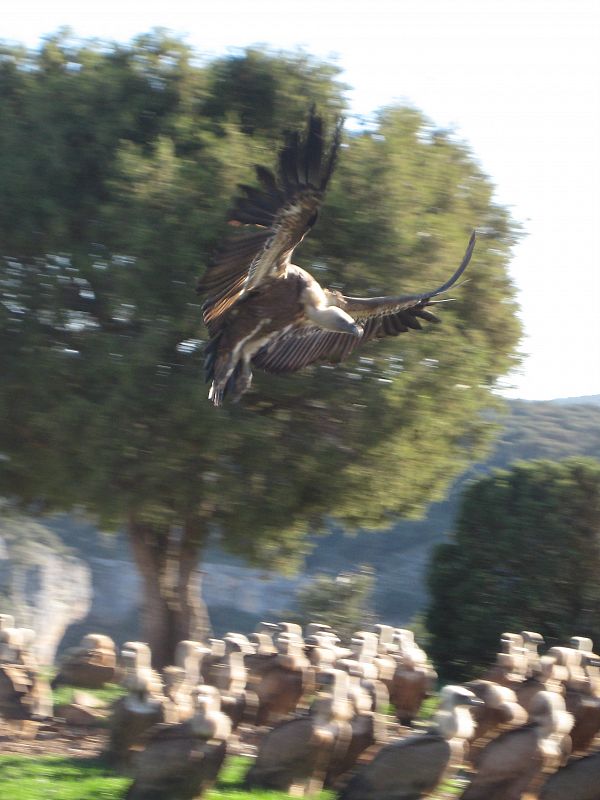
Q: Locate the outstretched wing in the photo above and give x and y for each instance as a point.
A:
(379, 317)
(284, 207)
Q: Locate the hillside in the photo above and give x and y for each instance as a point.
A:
(590, 399)
(530, 430)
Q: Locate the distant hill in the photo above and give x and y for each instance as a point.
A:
(551, 429)
(530, 430)
(588, 400)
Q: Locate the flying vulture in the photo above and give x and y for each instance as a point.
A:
(263, 311)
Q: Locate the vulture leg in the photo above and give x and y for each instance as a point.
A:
(241, 379)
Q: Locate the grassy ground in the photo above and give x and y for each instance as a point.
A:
(61, 778)
(107, 695)
(53, 778)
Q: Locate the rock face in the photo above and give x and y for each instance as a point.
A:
(42, 584)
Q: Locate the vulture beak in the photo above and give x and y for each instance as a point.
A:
(474, 702)
(355, 330)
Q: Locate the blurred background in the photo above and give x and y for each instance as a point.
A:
(129, 505)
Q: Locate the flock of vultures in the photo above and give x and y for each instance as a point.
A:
(322, 714)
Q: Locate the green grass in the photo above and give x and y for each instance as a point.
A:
(428, 708)
(56, 778)
(63, 695)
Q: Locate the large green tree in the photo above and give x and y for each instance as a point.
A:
(125, 160)
(525, 556)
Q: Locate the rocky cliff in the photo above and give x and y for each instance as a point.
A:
(43, 584)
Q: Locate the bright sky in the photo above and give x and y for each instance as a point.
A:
(516, 79)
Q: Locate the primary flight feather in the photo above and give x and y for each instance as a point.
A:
(263, 311)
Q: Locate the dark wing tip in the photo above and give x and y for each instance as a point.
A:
(466, 258)
(461, 268)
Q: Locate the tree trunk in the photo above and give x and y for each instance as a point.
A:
(172, 606)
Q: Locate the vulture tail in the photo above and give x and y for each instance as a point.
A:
(237, 383)
(210, 358)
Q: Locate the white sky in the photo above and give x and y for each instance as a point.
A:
(517, 79)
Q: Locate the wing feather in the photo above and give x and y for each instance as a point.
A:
(284, 206)
(380, 317)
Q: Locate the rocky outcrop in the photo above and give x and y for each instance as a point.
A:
(42, 583)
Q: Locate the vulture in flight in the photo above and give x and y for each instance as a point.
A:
(263, 311)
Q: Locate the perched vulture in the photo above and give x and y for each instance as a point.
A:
(132, 716)
(24, 694)
(412, 767)
(516, 761)
(90, 665)
(181, 762)
(294, 756)
(499, 711)
(263, 311)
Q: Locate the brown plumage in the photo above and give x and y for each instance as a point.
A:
(586, 713)
(516, 761)
(412, 767)
(579, 780)
(411, 683)
(132, 716)
(18, 693)
(181, 762)
(295, 755)
(24, 694)
(263, 311)
(286, 679)
(367, 726)
(90, 665)
(499, 711)
(582, 695)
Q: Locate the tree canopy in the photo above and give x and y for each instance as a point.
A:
(525, 556)
(117, 166)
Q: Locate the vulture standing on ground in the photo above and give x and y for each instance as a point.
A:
(412, 767)
(263, 311)
(181, 762)
(293, 756)
(516, 762)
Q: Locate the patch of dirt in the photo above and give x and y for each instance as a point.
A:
(56, 738)
(53, 738)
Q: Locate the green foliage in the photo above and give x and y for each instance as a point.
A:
(126, 158)
(264, 92)
(525, 556)
(107, 695)
(342, 601)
